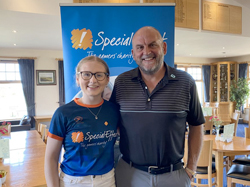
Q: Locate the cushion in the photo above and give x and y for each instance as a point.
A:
(242, 160)
(239, 172)
(203, 170)
(25, 120)
(213, 158)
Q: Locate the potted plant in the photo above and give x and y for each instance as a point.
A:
(239, 92)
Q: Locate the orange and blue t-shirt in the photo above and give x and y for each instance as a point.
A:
(88, 142)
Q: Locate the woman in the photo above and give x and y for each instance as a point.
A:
(87, 129)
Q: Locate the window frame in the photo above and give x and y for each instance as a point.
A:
(186, 66)
(9, 81)
(2, 82)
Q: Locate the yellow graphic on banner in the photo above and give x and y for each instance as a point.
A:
(77, 137)
(81, 39)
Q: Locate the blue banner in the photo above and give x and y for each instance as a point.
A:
(107, 31)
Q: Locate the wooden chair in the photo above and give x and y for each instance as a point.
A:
(38, 128)
(46, 135)
(205, 166)
(247, 132)
(43, 128)
(245, 160)
(239, 174)
(208, 125)
(235, 119)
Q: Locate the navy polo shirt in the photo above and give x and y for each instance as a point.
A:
(152, 130)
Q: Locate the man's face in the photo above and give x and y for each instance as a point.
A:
(148, 50)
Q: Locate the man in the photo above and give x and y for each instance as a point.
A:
(155, 102)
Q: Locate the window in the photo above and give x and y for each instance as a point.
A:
(247, 104)
(11, 95)
(196, 73)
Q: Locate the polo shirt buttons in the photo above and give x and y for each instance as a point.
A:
(146, 87)
(148, 99)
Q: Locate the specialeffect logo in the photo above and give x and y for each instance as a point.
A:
(81, 39)
(77, 137)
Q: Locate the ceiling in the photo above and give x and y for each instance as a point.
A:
(38, 26)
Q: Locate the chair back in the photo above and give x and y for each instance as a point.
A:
(208, 125)
(237, 112)
(205, 159)
(46, 135)
(43, 128)
(39, 128)
(205, 169)
(235, 119)
(247, 132)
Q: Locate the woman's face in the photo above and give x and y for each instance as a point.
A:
(92, 88)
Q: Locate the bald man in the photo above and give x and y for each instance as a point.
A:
(156, 101)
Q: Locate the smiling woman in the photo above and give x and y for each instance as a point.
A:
(11, 96)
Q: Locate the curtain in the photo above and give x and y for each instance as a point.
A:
(243, 70)
(243, 74)
(26, 68)
(61, 83)
(206, 79)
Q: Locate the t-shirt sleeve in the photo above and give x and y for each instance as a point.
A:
(195, 115)
(57, 128)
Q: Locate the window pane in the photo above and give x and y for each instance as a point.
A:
(248, 71)
(2, 76)
(181, 68)
(2, 67)
(195, 73)
(10, 76)
(9, 71)
(199, 86)
(17, 67)
(18, 78)
(12, 98)
(10, 67)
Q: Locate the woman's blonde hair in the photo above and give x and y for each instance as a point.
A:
(92, 58)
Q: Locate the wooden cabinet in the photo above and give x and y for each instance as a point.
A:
(222, 75)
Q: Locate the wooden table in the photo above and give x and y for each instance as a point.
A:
(239, 146)
(25, 166)
(40, 119)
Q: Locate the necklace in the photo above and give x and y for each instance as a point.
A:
(96, 115)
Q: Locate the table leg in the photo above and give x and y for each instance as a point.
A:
(219, 168)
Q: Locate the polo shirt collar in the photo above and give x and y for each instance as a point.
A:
(170, 74)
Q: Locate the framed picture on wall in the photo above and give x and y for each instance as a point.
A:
(45, 77)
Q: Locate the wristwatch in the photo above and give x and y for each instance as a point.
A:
(193, 173)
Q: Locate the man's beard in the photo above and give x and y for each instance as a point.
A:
(154, 69)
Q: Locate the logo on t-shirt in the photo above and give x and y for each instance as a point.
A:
(78, 119)
(77, 137)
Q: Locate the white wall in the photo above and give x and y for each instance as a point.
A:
(193, 60)
(46, 97)
(239, 59)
